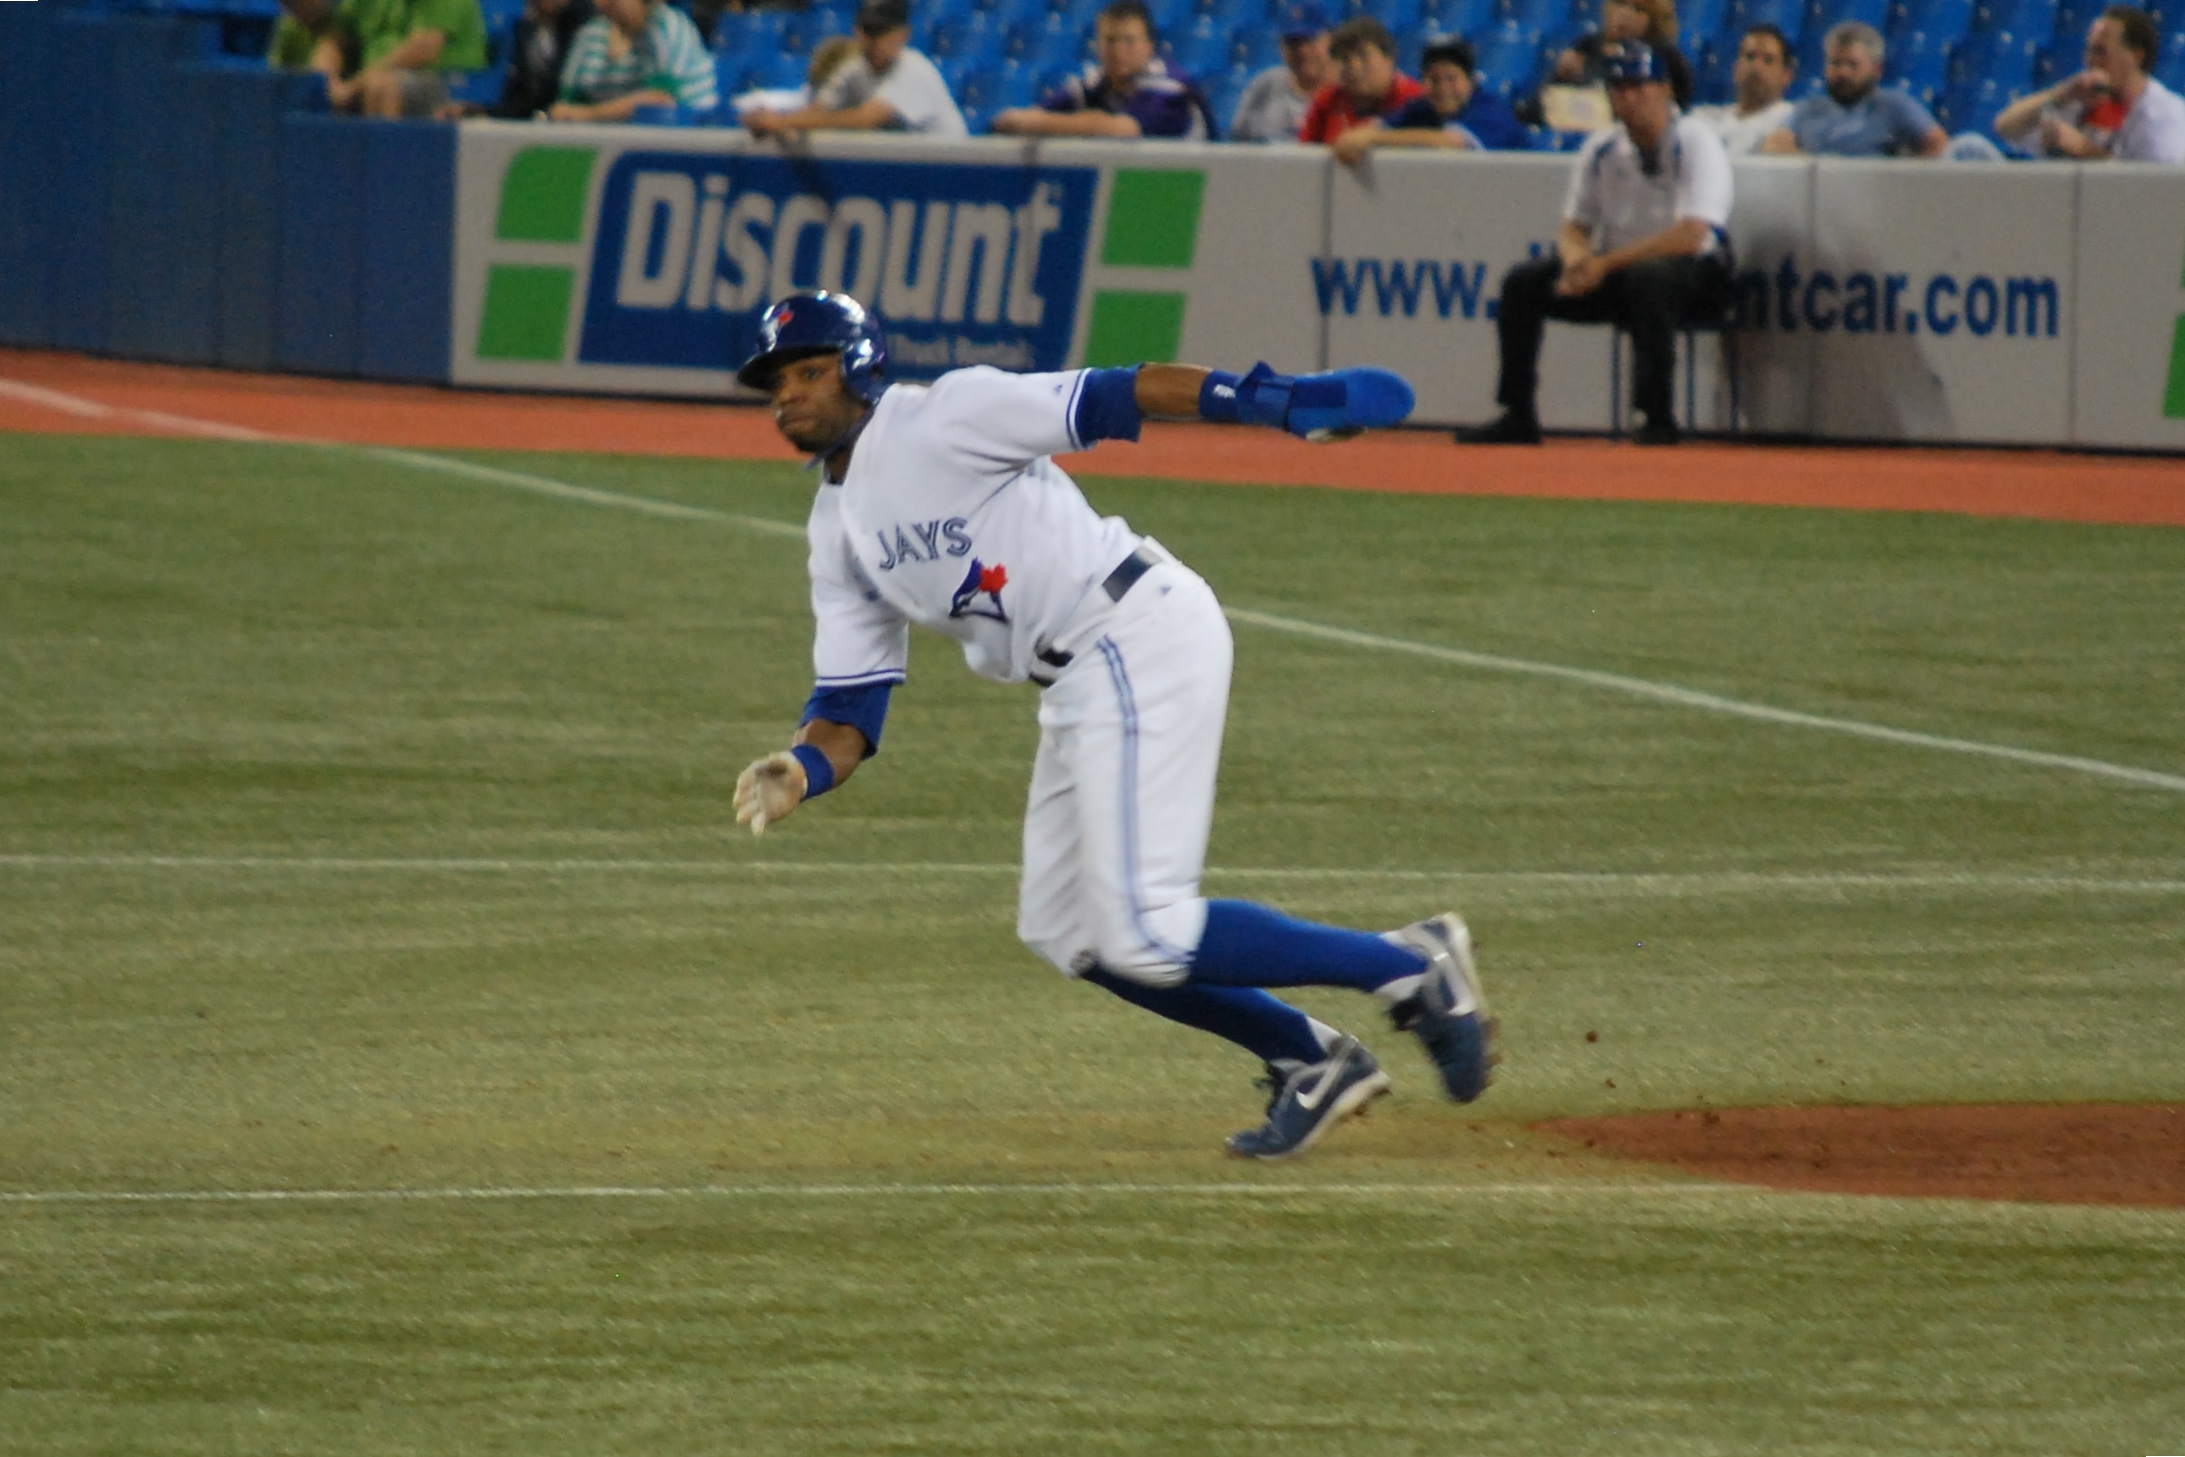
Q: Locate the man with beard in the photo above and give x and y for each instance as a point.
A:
(1856, 116)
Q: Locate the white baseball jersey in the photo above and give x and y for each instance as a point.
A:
(953, 516)
(1613, 193)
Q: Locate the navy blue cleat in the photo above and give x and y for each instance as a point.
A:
(1448, 1013)
(1310, 1098)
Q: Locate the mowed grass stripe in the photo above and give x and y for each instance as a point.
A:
(1638, 881)
(1669, 693)
(1065, 1190)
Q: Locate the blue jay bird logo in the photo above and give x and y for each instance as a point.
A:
(981, 582)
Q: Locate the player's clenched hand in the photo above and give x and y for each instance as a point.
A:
(769, 790)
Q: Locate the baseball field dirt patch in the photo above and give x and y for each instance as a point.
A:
(2086, 1153)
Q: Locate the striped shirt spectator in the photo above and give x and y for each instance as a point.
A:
(635, 53)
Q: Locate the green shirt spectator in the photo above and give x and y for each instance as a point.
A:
(296, 35)
(407, 49)
(382, 26)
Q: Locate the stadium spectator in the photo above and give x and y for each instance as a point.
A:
(1643, 247)
(402, 50)
(2113, 108)
(828, 57)
(1762, 74)
(1453, 114)
(888, 85)
(1367, 85)
(296, 35)
(1129, 93)
(635, 54)
(1274, 104)
(1856, 116)
(1653, 21)
(532, 79)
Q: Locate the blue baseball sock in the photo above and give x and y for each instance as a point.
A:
(1255, 1021)
(1247, 945)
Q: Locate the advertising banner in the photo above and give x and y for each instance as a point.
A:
(614, 259)
(2128, 386)
(1938, 298)
(620, 259)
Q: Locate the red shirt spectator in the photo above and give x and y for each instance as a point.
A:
(1334, 112)
(1367, 88)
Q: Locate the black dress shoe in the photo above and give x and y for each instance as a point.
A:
(1657, 432)
(1510, 428)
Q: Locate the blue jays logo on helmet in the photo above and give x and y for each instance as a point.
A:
(820, 323)
(1633, 62)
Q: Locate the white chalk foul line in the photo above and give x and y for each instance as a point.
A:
(1708, 702)
(1068, 1190)
(1656, 883)
(1462, 657)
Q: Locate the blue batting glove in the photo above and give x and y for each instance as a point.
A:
(1334, 405)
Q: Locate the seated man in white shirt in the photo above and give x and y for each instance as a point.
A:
(1761, 76)
(1643, 247)
(2112, 109)
(886, 86)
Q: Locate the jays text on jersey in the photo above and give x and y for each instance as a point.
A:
(954, 517)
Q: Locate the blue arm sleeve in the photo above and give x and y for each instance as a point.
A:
(1107, 406)
(864, 709)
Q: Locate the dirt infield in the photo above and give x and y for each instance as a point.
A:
(2090, 1153)
(59, 393)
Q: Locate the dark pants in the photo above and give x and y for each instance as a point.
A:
(1649, 301)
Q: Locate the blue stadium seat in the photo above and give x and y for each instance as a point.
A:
(1200, 49)
(1948, 21)
(1032, 38)
(1509, 59)
(1920, 63)
(1224, 89)
(750, 33)
(975, 36)
(1788, 16)
(1999, 56)
(1700, 23)
(2170, 61)
(1255, 47)
(1711, 71)
(1973, 108)
(1542, 17)
(1170, 16)
(1468, 18)
(1401, 16)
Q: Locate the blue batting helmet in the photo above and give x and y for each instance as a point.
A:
(1633, 62)
(820, 323)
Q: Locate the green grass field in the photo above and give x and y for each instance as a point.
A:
(364, 827)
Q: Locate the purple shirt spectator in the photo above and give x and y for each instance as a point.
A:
(1161, 104)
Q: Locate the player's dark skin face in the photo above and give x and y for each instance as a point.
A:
(811, 408)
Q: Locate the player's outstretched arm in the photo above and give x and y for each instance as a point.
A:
(1332, 405)
(821, 756)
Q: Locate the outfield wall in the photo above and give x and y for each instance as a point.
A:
(157, 204)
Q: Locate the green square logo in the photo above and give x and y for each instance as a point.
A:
(1134, 328)
(542, 195)
(2173, 399)
(1153, 218)
(526, 313)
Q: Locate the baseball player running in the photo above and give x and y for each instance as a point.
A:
(940, 505)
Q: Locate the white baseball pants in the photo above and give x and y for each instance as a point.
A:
(1122, 796)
